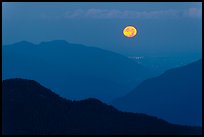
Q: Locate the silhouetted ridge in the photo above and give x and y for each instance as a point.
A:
(191, 67)
(22, 43)
(26, 112)
(95, 104)
(91, 101)
(29, 87)
(74, 67)
(179, 90)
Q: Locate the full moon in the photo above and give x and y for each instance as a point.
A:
(130, 31)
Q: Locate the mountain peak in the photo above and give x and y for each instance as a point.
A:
(30, 87)
(22, 43)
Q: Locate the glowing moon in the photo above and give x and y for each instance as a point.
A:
(130, 31)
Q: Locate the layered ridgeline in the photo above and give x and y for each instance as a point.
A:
(71, 70)
(175, 96)
(29, 108)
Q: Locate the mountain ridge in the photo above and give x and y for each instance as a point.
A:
(90, 67)
(26, 112)
(178, 89)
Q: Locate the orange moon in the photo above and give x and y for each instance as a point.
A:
(130, 31)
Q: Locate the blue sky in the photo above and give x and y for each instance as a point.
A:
(163, 28)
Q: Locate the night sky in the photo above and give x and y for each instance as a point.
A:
(164, 29)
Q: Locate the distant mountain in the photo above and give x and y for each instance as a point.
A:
(72, 70)
(175, 96)
(29, 108)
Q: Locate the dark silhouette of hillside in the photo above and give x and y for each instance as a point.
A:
(175, 96)
(81, 70)
(29, 108)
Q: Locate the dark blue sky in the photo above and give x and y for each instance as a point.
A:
(163, 28)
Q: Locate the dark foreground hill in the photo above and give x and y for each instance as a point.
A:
(29, 108)
(175, 96)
